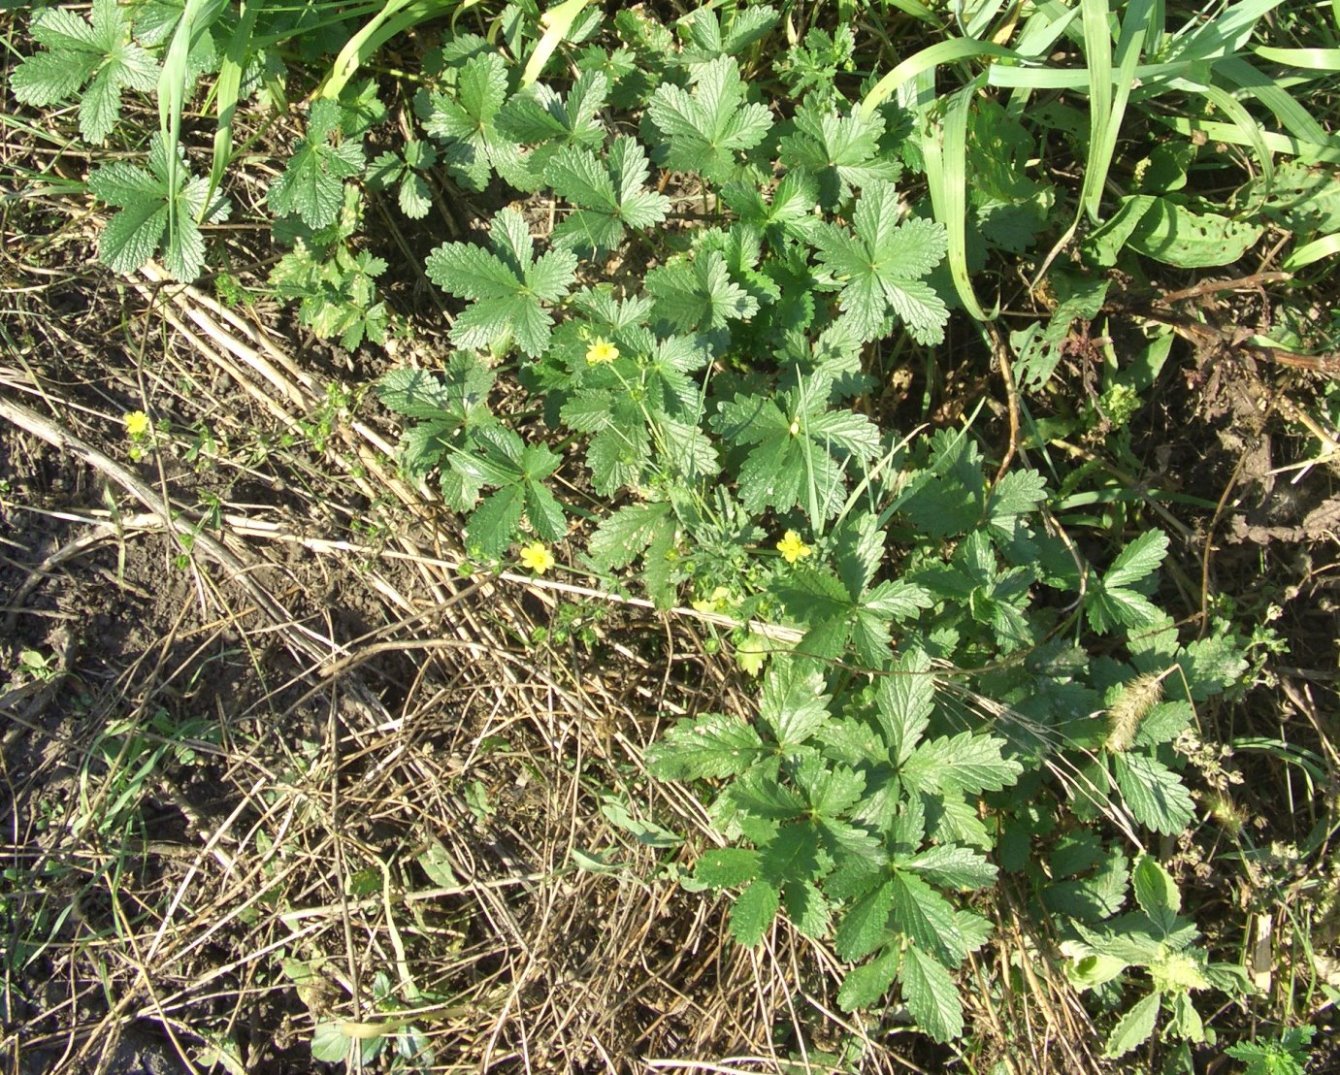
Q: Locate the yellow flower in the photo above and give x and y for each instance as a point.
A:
(601, 351)
(137, 424)
(792, 548)
(537, 557)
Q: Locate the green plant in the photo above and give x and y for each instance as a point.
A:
(1287, 1055)
(684, 378)
(1157, 940)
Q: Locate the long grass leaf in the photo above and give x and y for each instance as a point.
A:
(945, 152)
(173, 84)
(1294, 116)
(395, 17)
(1250, 129)
(1325, 60)
(557, 22)
(1286, 145)
(1328, 246)
(227, 87)
(1107, 106)
(942, 52)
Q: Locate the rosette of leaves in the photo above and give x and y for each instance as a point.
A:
(1159, 941)
(858, 821)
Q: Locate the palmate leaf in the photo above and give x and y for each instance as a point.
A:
(464, 120)
(839, 153)
(609, 196)
(507, 288)
(1117, 599)
(708, 39)
(312, 184)
(712, 745)
(879, 269)
(539, 117)
(798, 449)
(497, 457)
(698, 295)
(704, 130)
(99, 53)
(146, 205)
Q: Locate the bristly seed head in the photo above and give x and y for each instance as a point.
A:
(1137, 698)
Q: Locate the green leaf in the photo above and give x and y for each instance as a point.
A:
(97, 56)
(147, 202)
(1138, 560)
(965, 762)
(753, 912)
(620, 538)
(495, 520)
(1155, 890)
(878, 269)
(807, 908)
(704, 130)
(931, 995)
(312, 184)
(507, 288)
(465, 122)
(839, 153)
(709, 39)
(904, 702)
(609, 196)
(798, 450)
(952, 867)
(794, 705)
(1178, 235)
(865, 986)
(330, 1044)
(712, 745)
(726, 867)
(923, 914)
(461, 392)
(1155, 794)
(865, 927)
(1018, 493)
(790, 214)
(1134, 1027)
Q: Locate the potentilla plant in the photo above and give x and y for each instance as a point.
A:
(695, 285)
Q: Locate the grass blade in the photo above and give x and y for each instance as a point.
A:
(946, 155)
(557, 21)
(1107, 105)
(943, 52)
(227, 87)
(395, 17)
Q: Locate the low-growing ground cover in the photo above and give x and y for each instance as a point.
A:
(729, 538)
